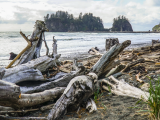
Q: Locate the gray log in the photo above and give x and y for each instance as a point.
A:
(101, 67)
(10, 96)
(61, 82)
(29, 71)
(78, 90)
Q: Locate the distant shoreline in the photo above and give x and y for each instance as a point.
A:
(113, 31)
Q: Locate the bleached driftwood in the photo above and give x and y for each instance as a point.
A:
(61, 82)
(91, 106)
(10, 96)
(115, 70)
(36, 39)
(29, 71)
(78, 90)
(101, 67)
(124, 89)
(138, 79)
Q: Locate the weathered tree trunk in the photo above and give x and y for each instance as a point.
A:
(29, 71)
(101, 67)
(61, 82)
(9, 92)
(78, 90)
(36, 39)
(34, 44)
(10, 96)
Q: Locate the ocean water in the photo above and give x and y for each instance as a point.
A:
(70, 43)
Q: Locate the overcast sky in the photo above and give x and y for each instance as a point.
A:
(21, 14)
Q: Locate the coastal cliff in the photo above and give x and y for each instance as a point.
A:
(121, 23)
(63, 22)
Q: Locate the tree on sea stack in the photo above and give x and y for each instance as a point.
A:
(121, 24)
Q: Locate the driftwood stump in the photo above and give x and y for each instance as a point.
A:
(111, 42)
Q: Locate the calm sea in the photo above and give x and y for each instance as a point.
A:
(70, 43)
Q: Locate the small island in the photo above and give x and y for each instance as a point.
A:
(121, 23)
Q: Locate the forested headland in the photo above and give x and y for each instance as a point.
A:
(62, 21)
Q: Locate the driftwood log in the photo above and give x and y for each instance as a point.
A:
(120, 87)
(78, 90)
(102, 67)
(11, 96)
(28, 71)
(61, 82)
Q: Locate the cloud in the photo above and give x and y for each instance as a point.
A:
(139, 12)
(152, 2)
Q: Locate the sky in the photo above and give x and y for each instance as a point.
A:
(16, 15)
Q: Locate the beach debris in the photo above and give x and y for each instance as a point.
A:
(120, 87)
(111, 42)
(94, 51)
(128, 57)
(132, 64)
(138, 79)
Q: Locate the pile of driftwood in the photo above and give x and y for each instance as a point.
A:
(76, 87)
